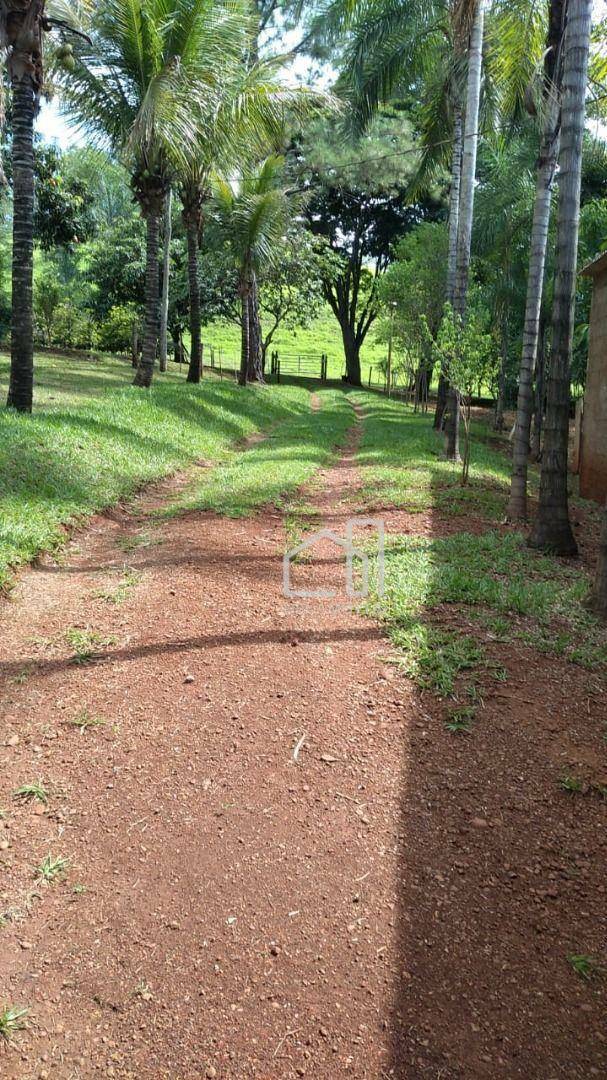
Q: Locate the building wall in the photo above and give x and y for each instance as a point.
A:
(593, 464)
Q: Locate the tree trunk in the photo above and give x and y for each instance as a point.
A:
(135, 344)
(166, 269)
(498, 419)
(454, 196)
(352, 355)
(466, 206)
(598, 597)
(145, 371)
(254, 361)
(441, 402)
(552, 529)
(21, 383)
(549, 150)
(195, 368)
(538, 412)
(245, 330)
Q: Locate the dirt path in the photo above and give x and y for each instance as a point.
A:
(230, 911)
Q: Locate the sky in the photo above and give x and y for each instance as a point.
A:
(54, 128)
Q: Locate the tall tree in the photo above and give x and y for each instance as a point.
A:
(253, 214)
(144, 87)
(550, 114)
(166, 270)
(466, 205)
(21, 33)
(253, 111)
(552, 528)
(359, 203)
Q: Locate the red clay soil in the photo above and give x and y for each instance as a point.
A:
(290, 867)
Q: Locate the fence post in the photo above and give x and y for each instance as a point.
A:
(277, 368)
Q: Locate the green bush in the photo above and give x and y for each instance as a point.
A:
(114, 333)
(73, 328)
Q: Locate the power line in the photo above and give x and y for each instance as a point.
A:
(370, 160)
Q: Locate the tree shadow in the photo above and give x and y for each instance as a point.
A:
(495, 866)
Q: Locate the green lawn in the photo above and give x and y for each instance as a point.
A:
(500, 589)
(93, 439)
(276, 467)
(404, 466)
(323, 336)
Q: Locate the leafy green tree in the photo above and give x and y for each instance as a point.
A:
(115, 265)
(144, 86)
(466, 353)
(412, 297)
(503, 219)
(63, 215)
(361, 210)
(250, 121)
(291, 288)
(49, 293)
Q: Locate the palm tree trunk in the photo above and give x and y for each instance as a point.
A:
(535, 451)
(254, 362)
(498, 419)
(145, 371)
(245, 330)
(598, 598)
(21, 383)
(549, 151)
(454, 196)
(166, 269)
(552, 529)
(195, 368)
(466, 206)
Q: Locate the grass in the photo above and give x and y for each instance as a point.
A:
(270, 470)
(404, 467)
(459, 721)
(83, 721)
(52, 868)
(12, 1020)
(94, 439)
(87, 644)
(500, 588)
(129, 580)
(29, 792)
(322, 336)
(584, 966)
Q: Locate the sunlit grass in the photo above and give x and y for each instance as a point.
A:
(272, 469)
(93, 439)
(497, 583)
(404, 465)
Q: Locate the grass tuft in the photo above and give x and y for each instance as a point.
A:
(587, 967)
(83, 721)
(12, 1020)
(52, 868)
(36, 791)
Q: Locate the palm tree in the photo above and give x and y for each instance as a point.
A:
(549, 148)
(251, 117)
(166, 271)
(253, 214)
(466, 205)
(598, 598)
(21, 28)
(144, 87)
(552, 529)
